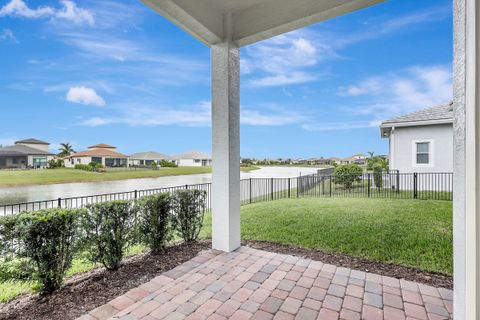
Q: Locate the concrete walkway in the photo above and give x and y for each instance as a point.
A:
(255, 284)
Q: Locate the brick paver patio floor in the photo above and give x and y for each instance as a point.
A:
(255, 284)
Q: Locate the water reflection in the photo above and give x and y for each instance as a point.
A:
(54, 191)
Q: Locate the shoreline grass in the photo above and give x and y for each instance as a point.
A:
(15, 178)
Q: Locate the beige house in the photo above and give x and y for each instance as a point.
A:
(28, 153)
(100, 153)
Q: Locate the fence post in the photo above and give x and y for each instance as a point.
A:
(289, 184)
(323, 185)
(186, 186)
(271, 188)
(59, 202)
(250, 190)
(398, 181)
(368, 184)
(298, 187)
(330, 186)
(136, 194)
(415, 191)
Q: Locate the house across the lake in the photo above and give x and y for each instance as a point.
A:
(100, 153)
(28, 153)
(147, 158)
(421, 141)
(193, 159)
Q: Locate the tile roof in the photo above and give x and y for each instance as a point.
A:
(441, 112)
(149, 155)
(32, 141)
(21, 150)
(102, 145)
(97, 153)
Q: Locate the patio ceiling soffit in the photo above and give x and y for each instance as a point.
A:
(252, 20)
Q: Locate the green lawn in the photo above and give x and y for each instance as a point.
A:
(9, 178)
(413, 233)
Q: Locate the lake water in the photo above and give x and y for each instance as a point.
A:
(47, 192)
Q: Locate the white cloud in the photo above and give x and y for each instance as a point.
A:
(68, 12)
(282, 79)
(84, 95)
(293, 58)
(7, 34)
(369, 86)
(281, 60)
(346, 125)
(77, 15)
(198, 115)
(391, 95)
(274, 117)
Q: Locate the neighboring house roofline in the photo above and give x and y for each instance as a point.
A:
(149, 155)
(102, 146)
(415, 123)
(441, 114)
(97, 153)
(193, 155)
(32, 141)
(21, 150)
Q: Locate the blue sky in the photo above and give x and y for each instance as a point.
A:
(116, 72)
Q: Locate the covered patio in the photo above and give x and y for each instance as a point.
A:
(242, 283)
(255, 284)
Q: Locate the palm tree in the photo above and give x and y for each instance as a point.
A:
(65, 150)
(371, 153)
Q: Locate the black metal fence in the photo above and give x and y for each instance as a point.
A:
(426, 186)
(435, 186)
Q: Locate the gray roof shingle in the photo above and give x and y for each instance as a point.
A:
(441, 112)
(149, 155)
(32, 141)
(20, 150)
(193, 155)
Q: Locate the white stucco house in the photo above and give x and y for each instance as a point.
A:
(421, 141)
(28, 153)
(193, 159)
(147, 158)
(100, 153)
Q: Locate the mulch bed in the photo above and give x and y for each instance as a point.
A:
(89, 290)
(342, 260)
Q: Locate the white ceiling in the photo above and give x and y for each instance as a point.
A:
(251, 20)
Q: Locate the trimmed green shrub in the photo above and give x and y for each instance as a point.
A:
(8, 234)
(155, 221)
(109, 229)
(49, 239)
(347, 174)
(166, 164)
(85, 167)
(53, 164)
(377, 175)
(189, 207)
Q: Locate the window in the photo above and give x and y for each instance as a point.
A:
(423, 152)
(39, 162)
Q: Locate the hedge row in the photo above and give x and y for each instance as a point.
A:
(46, 241)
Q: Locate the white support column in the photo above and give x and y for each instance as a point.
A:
(466, 213)
(226, 144)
